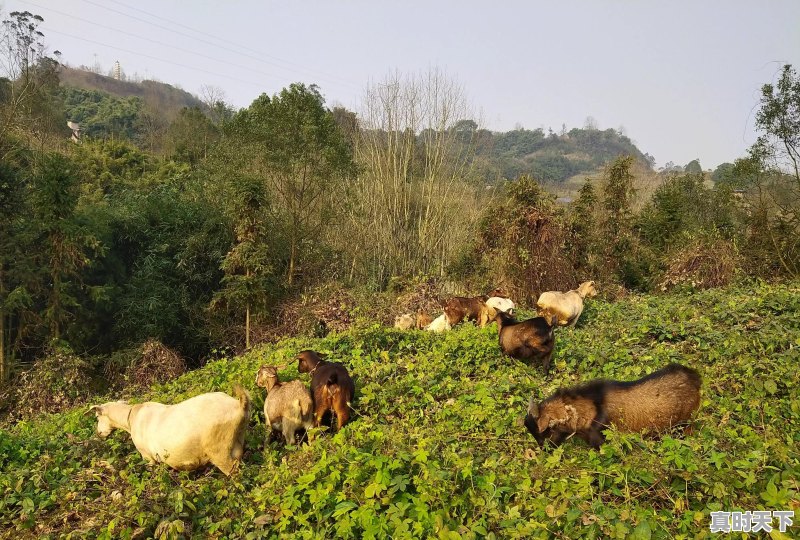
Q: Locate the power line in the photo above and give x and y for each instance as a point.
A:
(139, 36)
(288, 62)
(172, 30)
(260, 85)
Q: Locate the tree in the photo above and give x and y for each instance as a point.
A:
(247, 269)
(348, 124)
(523, 240)
(724, 173)
(66, 242)
(13, 260)
(29, 80)
(583, 223)
(213, 98)
(617, 220)
(190, 136)
(412, 202)
(773, 165)
(693, 167)
(779, 120)
(296, 148)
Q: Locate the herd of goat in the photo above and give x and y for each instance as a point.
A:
(210, 428)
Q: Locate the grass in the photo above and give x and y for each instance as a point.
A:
(437, 448)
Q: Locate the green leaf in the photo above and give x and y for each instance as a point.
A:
(641, 532)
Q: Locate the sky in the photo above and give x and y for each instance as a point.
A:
(682, 78)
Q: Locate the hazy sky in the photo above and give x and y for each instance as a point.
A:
(682, 77)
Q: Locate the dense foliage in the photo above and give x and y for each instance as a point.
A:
(437, 447)
(555, 157)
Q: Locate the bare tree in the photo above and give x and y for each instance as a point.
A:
(213, 98)
(413, 197)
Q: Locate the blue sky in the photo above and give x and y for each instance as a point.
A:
(681, 77)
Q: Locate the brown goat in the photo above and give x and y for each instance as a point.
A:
(461, 308)
(530, 340)
(331, 387)
(657, 402)
(423, 319)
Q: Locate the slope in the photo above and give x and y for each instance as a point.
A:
(437, 447)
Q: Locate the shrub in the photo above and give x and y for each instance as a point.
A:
(59, 381)
(703, 264)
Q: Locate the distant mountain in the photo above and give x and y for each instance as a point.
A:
(555, 158)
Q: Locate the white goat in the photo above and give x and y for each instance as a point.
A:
(208, 428)
(405, 322)
(498, 303)
(567, 306)
(439, 324)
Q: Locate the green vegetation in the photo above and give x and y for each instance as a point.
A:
(555, 157)
(177, 233)
(437, 448)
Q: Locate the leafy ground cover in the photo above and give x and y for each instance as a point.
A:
(437, 447)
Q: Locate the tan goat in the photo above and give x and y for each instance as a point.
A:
(208, 428)
(288, 406)
(567, 306)
(405, 322)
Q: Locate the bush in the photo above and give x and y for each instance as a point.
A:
(141, 367)
(703, 264)
(59, 381)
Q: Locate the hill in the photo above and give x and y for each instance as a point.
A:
(161, 96)
(437, 447)
(554, 158)
(105, 106)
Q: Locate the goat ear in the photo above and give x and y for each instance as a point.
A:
(94, 409)
(542, 423)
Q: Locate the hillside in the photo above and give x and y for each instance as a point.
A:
(105, 106)
(554, 158)
(437, 447)
(161, 96)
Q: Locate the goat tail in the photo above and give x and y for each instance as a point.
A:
(243, 396)
(333, 379)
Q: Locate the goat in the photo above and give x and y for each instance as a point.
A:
(404, 322)
(439, 324)
(288, 406)
(331, 386)
(498, 303)
(530, 340)
(657, 402)
(567, 306)
(208, 428)
(460, 308)
(423, 319)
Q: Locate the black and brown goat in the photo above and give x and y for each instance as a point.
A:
(657, 402)
(331, 387)
(531, 340)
